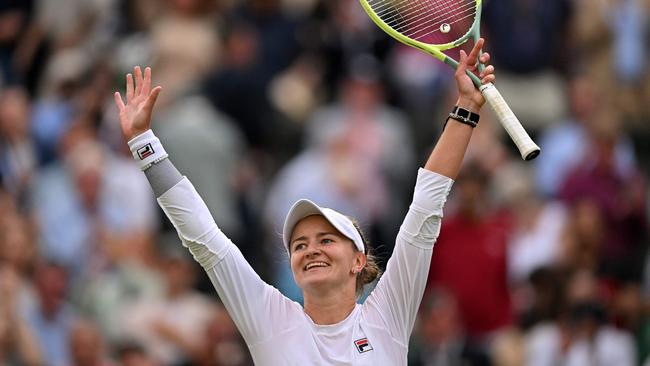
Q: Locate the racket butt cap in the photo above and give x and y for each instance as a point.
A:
(532, 155)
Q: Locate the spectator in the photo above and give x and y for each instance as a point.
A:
(539, 225)
(15, 18)
(567, 145)
(237, 84)
(18, 346)
(170, 328)
(474, 232)
(18, 158)
(528, 40)
(180, 63)
(618, 196)
(87, 345)
(54, 110)
(18, 254)
(582, 336)
(132, 354)
(222, 344)
(440, 338)
(81, 205)
(51, 317)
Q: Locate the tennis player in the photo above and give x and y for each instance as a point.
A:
(327, 251)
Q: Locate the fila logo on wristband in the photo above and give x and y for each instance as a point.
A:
(363, 345)
(145, 151)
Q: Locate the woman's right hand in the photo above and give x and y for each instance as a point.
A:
(135, 116)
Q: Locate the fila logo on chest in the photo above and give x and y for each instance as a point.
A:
(363, 345)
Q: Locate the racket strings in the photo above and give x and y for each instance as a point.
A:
(386, 6)
(448, 13)
(418, 19)
(436, 27)
(381, 7)
(412, 11)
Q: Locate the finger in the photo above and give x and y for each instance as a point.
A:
(488, 79)
(472, 58)
(488, 70)
(146, 86)
(129, 88)
(119, 102)
(151, 99)
(485, 58)
(462, 65)
(138, 81)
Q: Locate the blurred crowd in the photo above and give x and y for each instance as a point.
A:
(267, 101)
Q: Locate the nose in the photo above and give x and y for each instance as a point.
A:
(313, 252)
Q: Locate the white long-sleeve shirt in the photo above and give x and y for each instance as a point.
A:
(276, 329)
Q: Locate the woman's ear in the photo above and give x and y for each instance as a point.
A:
(359, 263)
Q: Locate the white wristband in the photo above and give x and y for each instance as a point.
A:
(147, 149)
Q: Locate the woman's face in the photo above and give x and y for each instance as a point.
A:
(322, 258)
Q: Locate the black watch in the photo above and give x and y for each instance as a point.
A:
(462, 115)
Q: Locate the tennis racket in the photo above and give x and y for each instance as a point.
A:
(436, 26)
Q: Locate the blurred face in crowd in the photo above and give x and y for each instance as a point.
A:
(5, 320)
(135, 356)
(84, 158)
(585, 98)
(242, 46)
(16, 246)
(470, 188)
(14, 114)
(191, 7)
(51, 282)
(88, 185)
(221, 328)
(361, 94)
(265, 6)
(323, 259)
(180, 275)
(589, 222)
(441, 323)
(85, 344)
(223, 342)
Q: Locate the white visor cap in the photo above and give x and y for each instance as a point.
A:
(304, 207)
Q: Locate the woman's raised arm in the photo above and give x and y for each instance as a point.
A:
(448, 154)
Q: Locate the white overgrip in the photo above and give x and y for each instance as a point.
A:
(527, 148)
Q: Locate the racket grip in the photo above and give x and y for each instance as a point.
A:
(527, 148)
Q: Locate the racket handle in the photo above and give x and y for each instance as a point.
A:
(527, 148)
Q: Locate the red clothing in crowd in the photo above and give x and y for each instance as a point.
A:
(469, 259)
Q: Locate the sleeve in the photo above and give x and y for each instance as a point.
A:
(258, 309)
(395, 300)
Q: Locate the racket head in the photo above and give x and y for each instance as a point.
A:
(430, 25)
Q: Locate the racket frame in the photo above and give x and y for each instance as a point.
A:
(474, 33)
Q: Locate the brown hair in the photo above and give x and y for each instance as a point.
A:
(371, 270)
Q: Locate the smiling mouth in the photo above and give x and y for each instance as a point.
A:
(315, 265)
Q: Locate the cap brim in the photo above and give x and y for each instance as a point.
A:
(301, 209)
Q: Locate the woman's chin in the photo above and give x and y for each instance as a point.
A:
(317, 279)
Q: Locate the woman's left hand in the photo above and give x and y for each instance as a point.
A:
(469, 96)
(135, 115)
